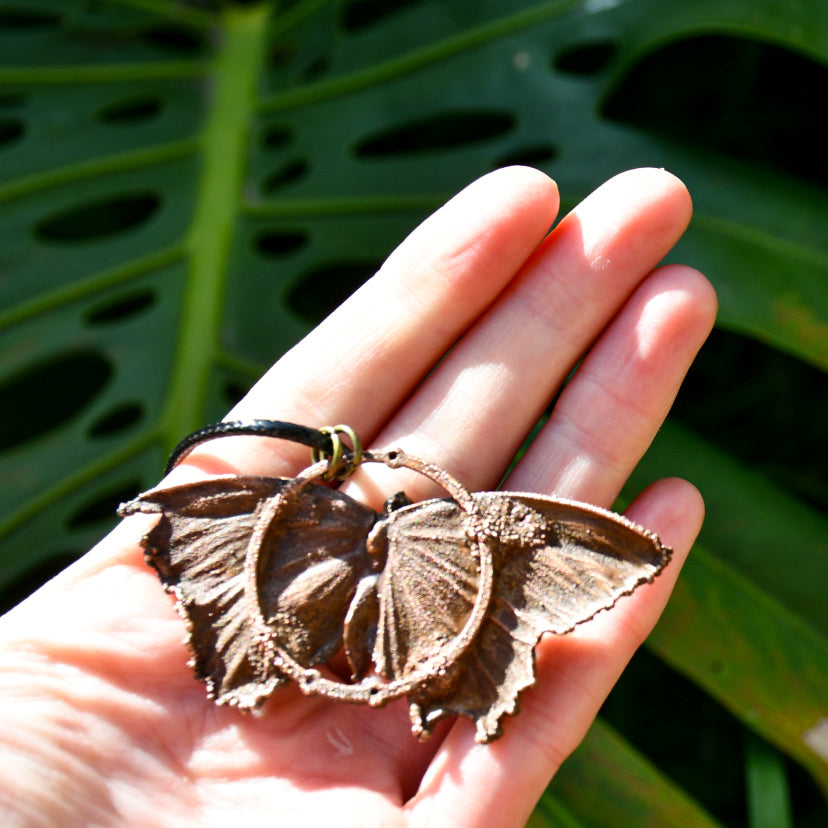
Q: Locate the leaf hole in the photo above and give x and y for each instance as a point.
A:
(534, 156)
(123, 307)
(234, 391)
(121, 418)
(102, 508)
(322, 289)
(443, 131)
(43, 396)
(131, 110)
(288, 173)
(100, 219)
(175, 40)
(315, 69)
(743, 98)
(586, 58)
(360, 14)
(278, 243)
(282, 54)
(35, 576)
(11, 130)
(275, 136)
(22, 19)
(11, 99)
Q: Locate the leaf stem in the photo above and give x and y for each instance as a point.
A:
(411, 61)
(64, 75)
(96, 167)
(247, 367)
(70, 483)
(72, 291)
(224, 143)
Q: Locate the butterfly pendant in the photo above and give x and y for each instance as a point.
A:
(441, 601)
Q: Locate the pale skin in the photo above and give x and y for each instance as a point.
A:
(102, 722)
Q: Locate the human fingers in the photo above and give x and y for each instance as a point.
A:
(609, 413)
(359, 364)
(475, 409)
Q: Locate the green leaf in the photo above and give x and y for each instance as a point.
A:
(757, 658)
(767, 787)
(550, 813)
(745, 608)
(746, 620)
(626, 789)
(752, 526)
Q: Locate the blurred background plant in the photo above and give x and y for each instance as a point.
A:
(187, 188)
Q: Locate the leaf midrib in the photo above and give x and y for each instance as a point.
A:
(224, 142)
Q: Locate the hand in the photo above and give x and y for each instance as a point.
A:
(451, 352)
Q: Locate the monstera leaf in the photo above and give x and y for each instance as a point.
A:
(186, 188)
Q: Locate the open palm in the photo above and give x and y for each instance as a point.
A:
(451, 352)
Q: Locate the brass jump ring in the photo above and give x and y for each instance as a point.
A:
(340, 463)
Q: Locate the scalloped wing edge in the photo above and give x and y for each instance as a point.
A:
(511, 626)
